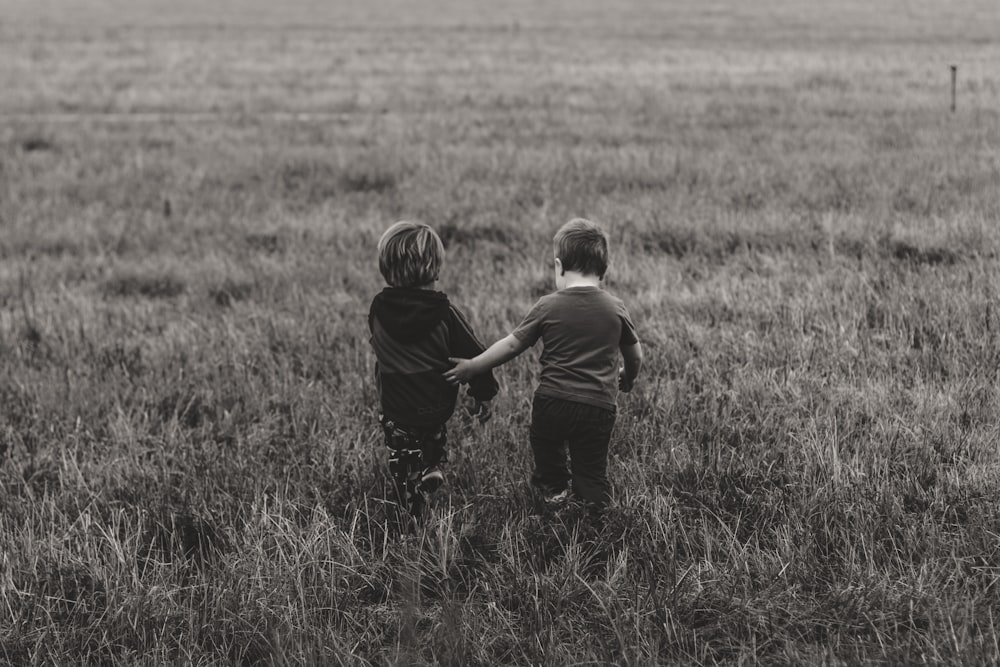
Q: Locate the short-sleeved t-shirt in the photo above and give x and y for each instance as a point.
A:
(582, 329)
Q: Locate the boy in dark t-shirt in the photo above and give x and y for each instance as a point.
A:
(583, 329)
(414, 330)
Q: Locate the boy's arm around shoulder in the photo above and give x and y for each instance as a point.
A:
(464, 344)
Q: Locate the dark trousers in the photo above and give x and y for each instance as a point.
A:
(413, 451)
(558, 424)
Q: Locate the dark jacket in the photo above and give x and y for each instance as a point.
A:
(413, 332)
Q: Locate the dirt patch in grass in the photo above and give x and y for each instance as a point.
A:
(230, 292)
(312, 180)
(36, 144)
(455, 234)
(914, 255)
(181, 534)
(152, 286)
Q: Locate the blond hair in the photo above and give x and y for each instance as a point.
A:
(410, 254)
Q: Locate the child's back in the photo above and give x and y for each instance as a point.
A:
(414, 330)
(582, 329)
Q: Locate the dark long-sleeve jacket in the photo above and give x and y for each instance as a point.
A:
(413, 332)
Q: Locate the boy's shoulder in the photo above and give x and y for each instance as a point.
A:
(410, 297)
(573, 295)
(408, 313)
(575, 307)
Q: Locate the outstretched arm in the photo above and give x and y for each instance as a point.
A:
(632, 356)
(464, 345)
(498, 353)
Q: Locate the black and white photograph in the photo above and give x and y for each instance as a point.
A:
(552, 333)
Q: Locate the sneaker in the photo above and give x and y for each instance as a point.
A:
(557, 498)
(431, 481)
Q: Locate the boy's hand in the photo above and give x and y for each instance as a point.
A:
(624, 383)
(461, 373)
(478, 409)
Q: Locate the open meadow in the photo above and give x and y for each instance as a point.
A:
(806, 234)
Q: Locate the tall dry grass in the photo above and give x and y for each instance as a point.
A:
(806, 237)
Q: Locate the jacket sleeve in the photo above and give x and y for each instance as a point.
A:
(464, 344)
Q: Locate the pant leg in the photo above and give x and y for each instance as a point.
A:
(412, 451)
(588, 452)
(548, 445)
(404, 461)
(434, 447)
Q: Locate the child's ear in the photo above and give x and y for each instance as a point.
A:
(559, 267)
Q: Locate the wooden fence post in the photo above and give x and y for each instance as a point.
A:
(954, 79)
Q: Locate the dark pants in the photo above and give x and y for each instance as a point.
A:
(413, 451)
(556, 423)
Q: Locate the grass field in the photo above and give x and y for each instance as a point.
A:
(807, 238)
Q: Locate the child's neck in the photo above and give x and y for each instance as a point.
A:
(577, 279)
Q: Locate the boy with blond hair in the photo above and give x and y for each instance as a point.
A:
(414, 330)
(583, 329)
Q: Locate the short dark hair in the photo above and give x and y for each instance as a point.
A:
(410, 254)
(582, 245)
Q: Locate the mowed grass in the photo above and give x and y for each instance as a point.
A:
(806, 236)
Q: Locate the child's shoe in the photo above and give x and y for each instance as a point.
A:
(557, 498)
(431, 480)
